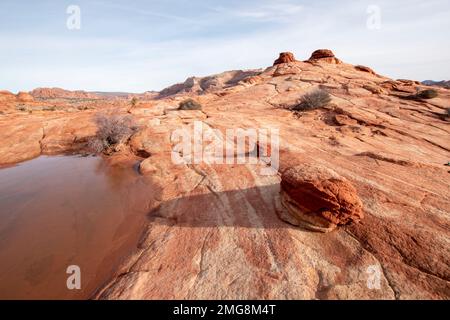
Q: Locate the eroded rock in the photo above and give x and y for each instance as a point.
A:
(318, 198)
(285, 57)
(324, 55)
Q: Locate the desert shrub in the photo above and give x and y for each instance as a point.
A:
(189, 104)
(21, 108)
(425, 94)
(134, 102)
(313, 100)
(112, 130)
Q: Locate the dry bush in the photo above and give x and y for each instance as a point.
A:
(424, 95)
(112, 130)
(189, 104)
(313, 100)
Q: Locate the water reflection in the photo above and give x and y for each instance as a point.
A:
(59, 211)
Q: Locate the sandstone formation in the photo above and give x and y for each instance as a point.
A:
(285, 57)
(6, 96)
(199, 85)
(364, 69)
(324, 55)
(318, 198)
(24, 97)
(214, 230)
(54, 93)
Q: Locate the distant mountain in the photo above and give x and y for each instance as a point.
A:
(58, 93)
(443, 84)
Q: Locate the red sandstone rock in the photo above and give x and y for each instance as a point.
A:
(318, 198)
(24, 97)
(7, 96)
(285, 57)
(216, 233)
(364, 69)
(324, 55)
(55, 93)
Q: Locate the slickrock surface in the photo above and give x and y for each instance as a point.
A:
(214, 231)
(318, 198)
(285, 57)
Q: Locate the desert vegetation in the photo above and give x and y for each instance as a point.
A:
(189, 104)
(113, 130)
(424, 95)
(313, 100)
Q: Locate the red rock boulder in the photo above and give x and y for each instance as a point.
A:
(285, 57)
(324, 55)
(318, 198)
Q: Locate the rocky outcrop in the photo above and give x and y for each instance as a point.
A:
(318, 198)
(24, 97)
(6, 96)
(285, 57)
(364, 69)
(324, 55)
(210, 84)
(214, 230)
(58, 93)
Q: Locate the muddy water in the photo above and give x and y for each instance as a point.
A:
(62, 211)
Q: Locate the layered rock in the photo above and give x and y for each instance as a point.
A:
(364, 69)
(6, 96)
(24, 97)
(55, 93)
(214, 83)
(214, 232)
(324, 55)
(318, 198)
(285, 57)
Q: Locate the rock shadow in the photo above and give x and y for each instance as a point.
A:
(255, 207)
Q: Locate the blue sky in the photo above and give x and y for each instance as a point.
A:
(138, 45)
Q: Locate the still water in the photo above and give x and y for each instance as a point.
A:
(62, 211)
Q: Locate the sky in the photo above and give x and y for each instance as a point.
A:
(137, 46)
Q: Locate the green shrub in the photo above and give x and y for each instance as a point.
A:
(189, 104)
(313, 100)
